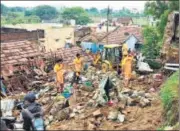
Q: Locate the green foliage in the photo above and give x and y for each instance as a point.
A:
(76, 13)
(169, 90)
(169, 96)
(151, 46)
(93, 11)
(4, 9)
(29, 13)
(45, 12)
(155, 8)
(17, 9)
(163, 22)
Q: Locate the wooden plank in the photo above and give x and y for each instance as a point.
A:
(171, 64)
(171, 68)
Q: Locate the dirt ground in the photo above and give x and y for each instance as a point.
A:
(54, 37)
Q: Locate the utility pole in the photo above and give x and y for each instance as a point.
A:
(107, 29)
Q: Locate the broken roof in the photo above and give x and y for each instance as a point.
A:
(95, 37)
(121, 34)
(17, 52)
(124, 20)
(68, 54)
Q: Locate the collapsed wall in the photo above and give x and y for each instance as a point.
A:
(13, 34)
(170, 50)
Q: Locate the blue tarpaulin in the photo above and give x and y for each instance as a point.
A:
(94, 47)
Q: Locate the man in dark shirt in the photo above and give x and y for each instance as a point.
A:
(32, 107)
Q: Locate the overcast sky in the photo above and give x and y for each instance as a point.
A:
(139, 5)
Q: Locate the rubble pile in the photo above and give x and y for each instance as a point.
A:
(88, 103)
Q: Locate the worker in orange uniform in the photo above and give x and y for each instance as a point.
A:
(58, 69)
(97, 57)
(78, 66)
(127, 68)
(124, 49)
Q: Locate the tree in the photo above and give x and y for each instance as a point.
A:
(163, 22)
(151, 44)
(76, 13)
(45, 12)
(17, 9)
(4, 9)
(28, 12)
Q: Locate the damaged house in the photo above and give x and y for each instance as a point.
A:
(130, 35)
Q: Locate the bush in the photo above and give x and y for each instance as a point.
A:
(169, 96)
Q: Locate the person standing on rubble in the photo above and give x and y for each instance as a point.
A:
(127, 68)
(124, 50)
(97, 58)
(58, 69)
(78, 66)
(32, 110)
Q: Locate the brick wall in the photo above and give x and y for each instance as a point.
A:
(25, 35)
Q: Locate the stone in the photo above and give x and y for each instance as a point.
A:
(144, 102)
(134, 95)
(46, 122)
(113, 115)
(120, 117)
(168, 128)
(72, 115)
(129, 101)
(50, 118)
(148, 95)
(95, 96)
(141, 78)
(141, 93)
(152, 90)
(63, 114)
(90, 103)
(122, 98)
(97, 113)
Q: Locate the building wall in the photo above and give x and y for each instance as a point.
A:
(131, 42)
(25, 35)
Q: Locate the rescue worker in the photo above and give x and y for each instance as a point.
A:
(59, 70)
(97, 57)
(78, 66)
(127, 68)
(33, 108)
(124, 50)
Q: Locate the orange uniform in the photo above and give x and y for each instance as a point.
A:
(58, 68)
(78, 63)
(127, 66)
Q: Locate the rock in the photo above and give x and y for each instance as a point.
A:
(75, 110)
(95, 96)
(50, 118)
(63, 114)
(100, 100)
(45, 100)
(141, 78)
(113, 115)
(141, 93)
(89, 89)
(121, 117)
(122, 98)
(147, 95)
(97, 113)
(72, 115)
(127, 91)
(46, 122)
(129, 101)
(134, 95)
(79, 107)
(90, 103)
(152, 90)
(144, 102)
